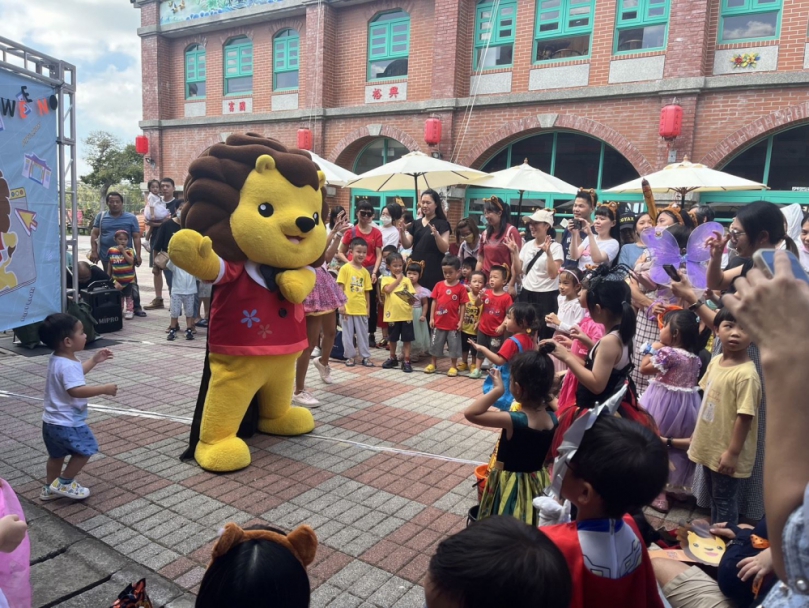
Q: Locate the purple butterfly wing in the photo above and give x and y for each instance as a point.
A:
(698, 254)
(697, 273)
(697, 251)
(664, 250)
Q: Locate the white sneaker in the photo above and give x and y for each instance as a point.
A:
(315, 352)
(324, 371)
(305, 398)
(75, 490)
(45, 495)
(128, 315)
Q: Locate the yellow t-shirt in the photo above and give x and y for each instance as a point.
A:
(729, 391)
(471, 315)
(396, 309)
(355, 282)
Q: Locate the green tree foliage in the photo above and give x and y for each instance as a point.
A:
(111, 162)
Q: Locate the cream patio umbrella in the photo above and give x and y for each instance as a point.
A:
(525, 178)
(335, 174)
(688, 177)
(415, 170)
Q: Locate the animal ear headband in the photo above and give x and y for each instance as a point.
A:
(575, 434)
(674, 209)
(612, 206)
(591, 194)
(301, 542)
(419, 263)
(494, 201)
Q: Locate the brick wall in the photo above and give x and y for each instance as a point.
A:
(333, 75)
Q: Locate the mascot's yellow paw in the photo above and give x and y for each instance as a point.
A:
(193, 252)
(230, 454)
(296, 284)
(297, 421)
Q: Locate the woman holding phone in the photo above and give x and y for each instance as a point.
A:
(757, 226)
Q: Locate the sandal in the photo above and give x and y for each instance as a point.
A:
(382, 344)
(350, 363)
(367, 363)
(170, 328)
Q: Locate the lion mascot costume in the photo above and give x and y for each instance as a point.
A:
(253, 226)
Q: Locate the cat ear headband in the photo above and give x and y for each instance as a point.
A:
(575, 434)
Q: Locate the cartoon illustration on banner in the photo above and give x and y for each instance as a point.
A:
(30, 281)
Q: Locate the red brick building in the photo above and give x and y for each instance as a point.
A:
(575, 86)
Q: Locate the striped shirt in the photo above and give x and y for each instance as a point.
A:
(122, 271)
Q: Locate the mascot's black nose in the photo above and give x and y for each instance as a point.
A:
(305, 223)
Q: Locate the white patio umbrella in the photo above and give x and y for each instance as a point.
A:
(335, 174)
(525, 178)
(415, 170)
(688, 177)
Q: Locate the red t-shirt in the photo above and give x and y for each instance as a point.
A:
(494, 251)
(448, 300)
(494, 311)
(509, 349)
(248, 319)
(373, 238)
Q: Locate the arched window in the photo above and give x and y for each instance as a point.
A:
(381, 151)
(195, 72)
(563, 29)
(578, 159)
(388, 45)
(779, 161)
(285, 60)
(495, 25)
(239, 66)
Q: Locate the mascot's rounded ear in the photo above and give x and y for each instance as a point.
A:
(321, 178)
(265, 162)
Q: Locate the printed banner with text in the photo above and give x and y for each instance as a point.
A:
(30, 286)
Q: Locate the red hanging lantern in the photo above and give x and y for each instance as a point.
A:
(671, 121)
(304, 139)
(142, 144)
(432, 131)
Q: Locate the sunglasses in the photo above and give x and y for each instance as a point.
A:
(367, 213)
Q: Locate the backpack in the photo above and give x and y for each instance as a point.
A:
(504, 402)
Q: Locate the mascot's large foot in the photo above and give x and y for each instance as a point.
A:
(230, 454)
(296, 421)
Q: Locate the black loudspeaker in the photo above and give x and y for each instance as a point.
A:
(105, 302)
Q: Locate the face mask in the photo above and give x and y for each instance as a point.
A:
(470, 238)
(484, 220)
(386, 220)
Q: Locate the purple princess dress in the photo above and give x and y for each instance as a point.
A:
(673, 401)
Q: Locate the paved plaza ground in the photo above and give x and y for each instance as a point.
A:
(379, 509)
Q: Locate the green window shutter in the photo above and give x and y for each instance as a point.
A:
(388, 39)
(643, 12)
(496, 29)
(556, 18)
(190, 66)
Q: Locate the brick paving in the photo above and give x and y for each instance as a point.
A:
(378, 514)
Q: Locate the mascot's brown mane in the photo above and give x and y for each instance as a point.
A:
(215, 180)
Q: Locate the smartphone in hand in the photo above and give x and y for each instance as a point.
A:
(764, 259)
(672, 272)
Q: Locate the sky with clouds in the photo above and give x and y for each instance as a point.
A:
(100, 38)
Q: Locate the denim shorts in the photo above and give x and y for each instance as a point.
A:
(62, 441)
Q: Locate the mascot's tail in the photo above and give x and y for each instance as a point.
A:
(249, 424)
